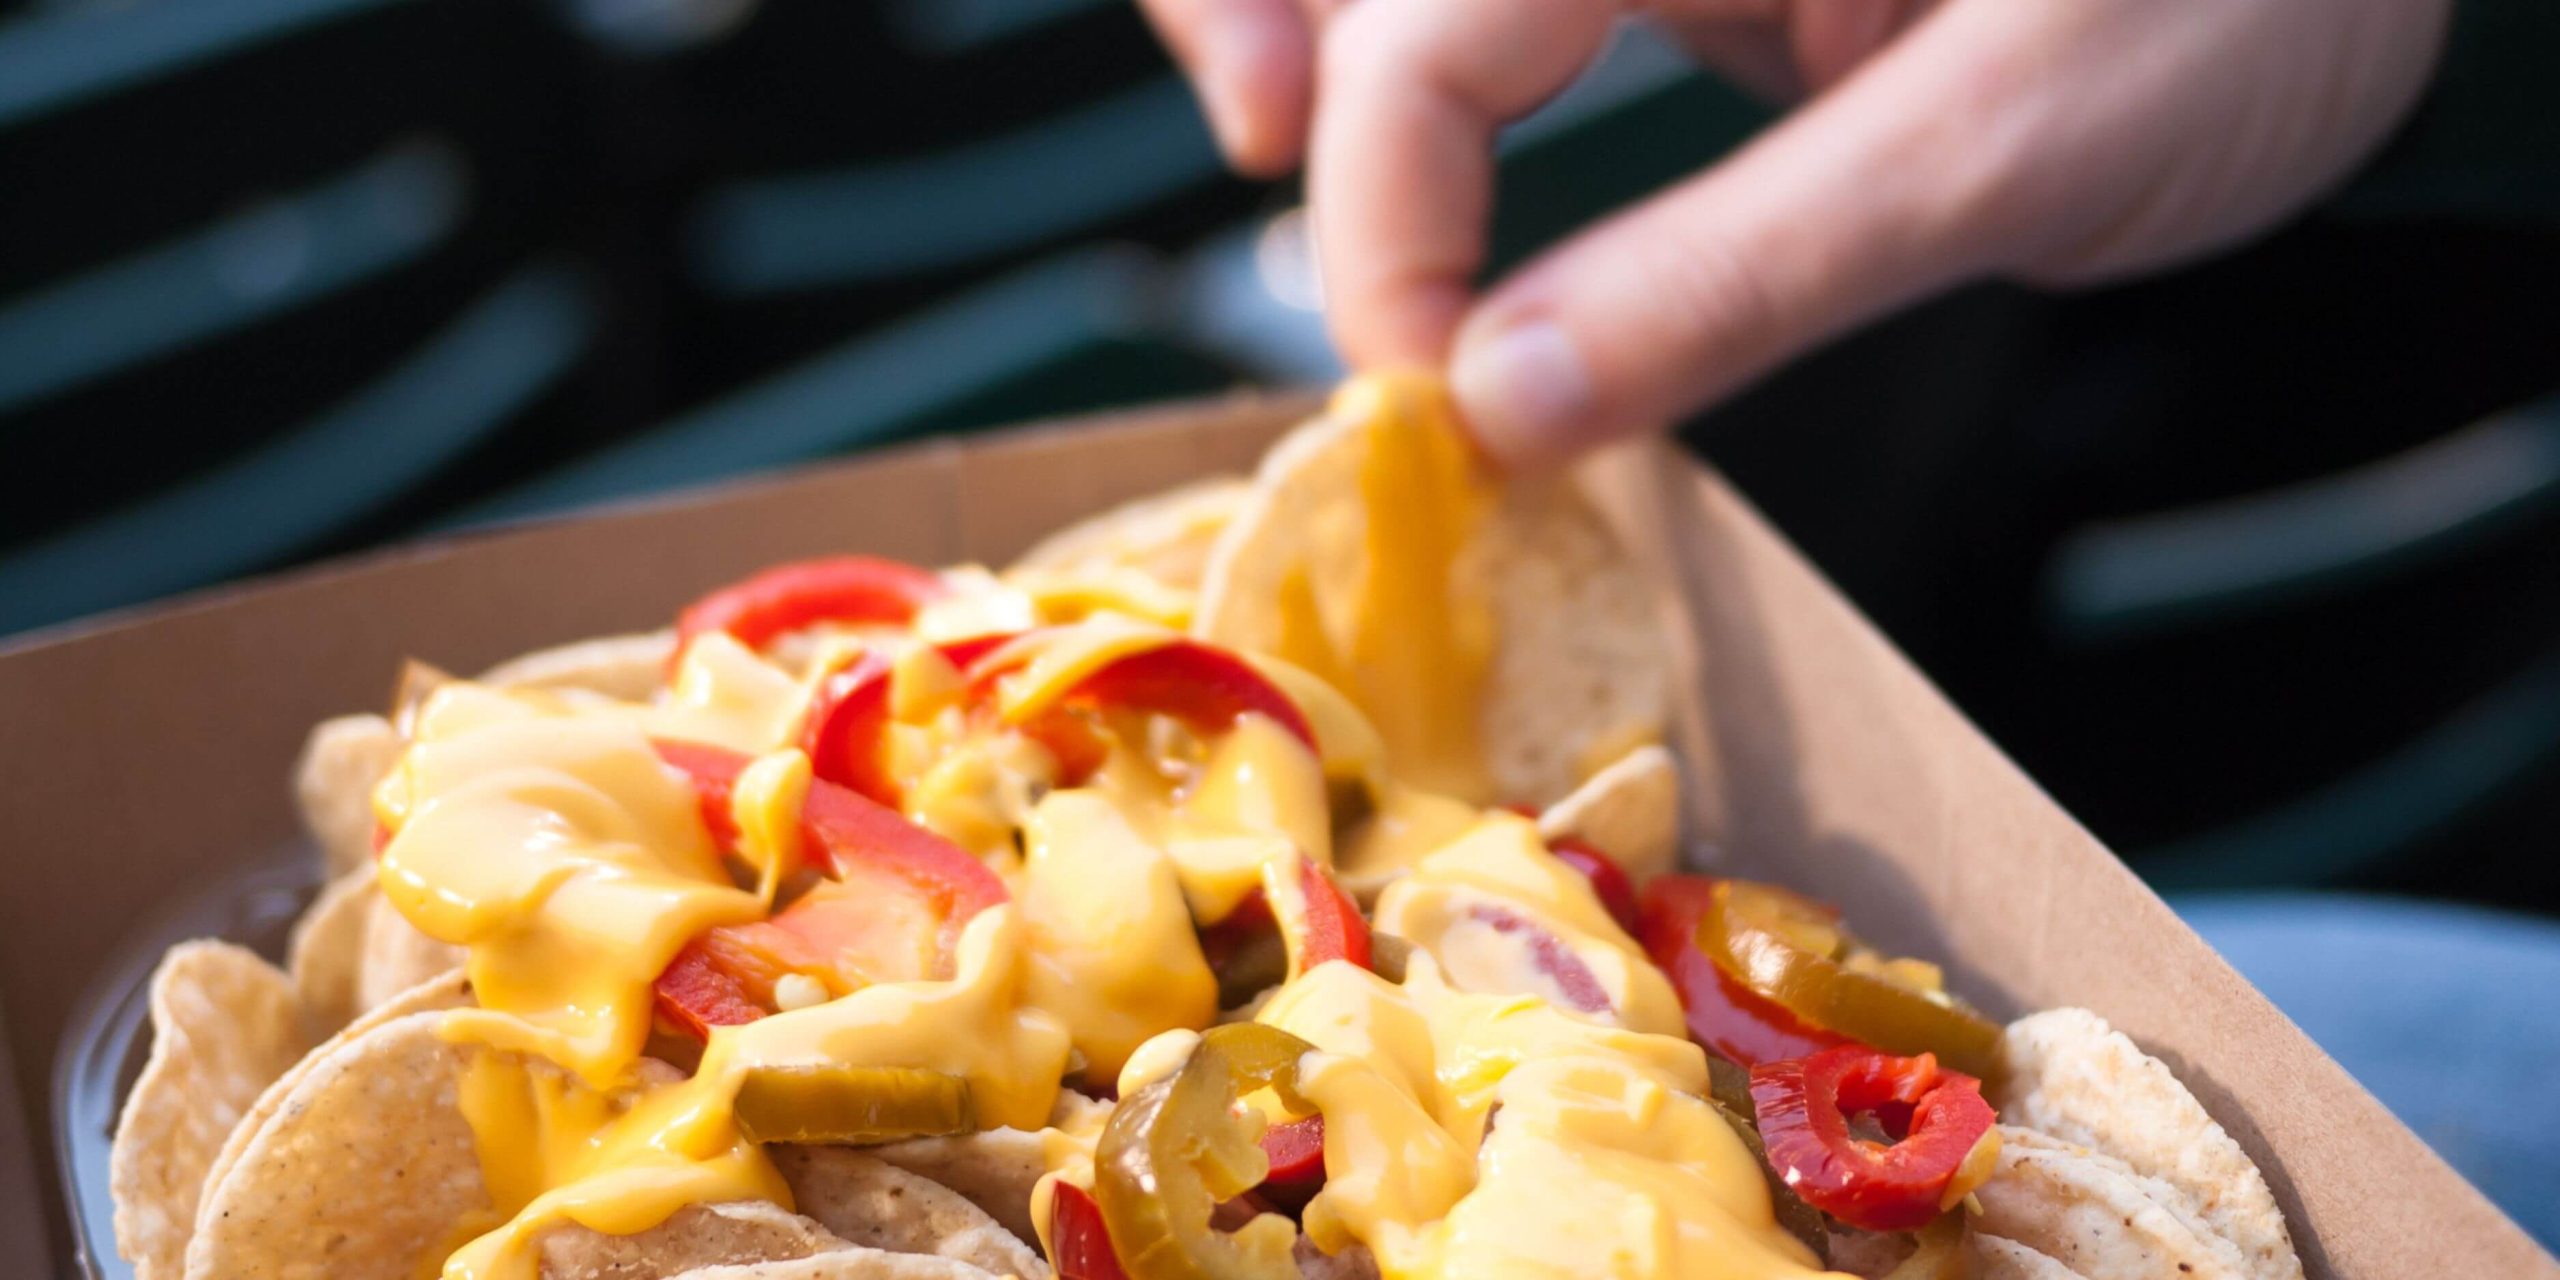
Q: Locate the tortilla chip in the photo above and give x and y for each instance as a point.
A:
(2065, 1072)
(628, 668)
(995, 1169)
(692, 1238)
(396, 956)
(333, 782)
(871, 1202)
(1630, 811)
(2096, 1216)
(1166, 536)
(1579, 675)
(1993, 1258)
(327, 952)
(367, 1165)
(444, 991)
(224, 1024)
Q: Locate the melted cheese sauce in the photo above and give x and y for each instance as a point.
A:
(551, 1153)
(1113, 952)
(1599, 1168)
(1405, 630)
(553, 1150)
(570, 861)
(1257, 802)
(725, 695)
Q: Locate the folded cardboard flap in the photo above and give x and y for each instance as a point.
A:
(146, 759)
(22, 1174)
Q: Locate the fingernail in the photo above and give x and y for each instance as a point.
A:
(1526, 392)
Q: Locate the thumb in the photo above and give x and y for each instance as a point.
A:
(1875, 193)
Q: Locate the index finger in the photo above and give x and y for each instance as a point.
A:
(1400, 171)
(1250, 62)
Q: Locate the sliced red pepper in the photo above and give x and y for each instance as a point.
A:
(895, 891)
(1804, 1105)
(845, 831)
(848, 726)
(1203, 686)
(790, 596)
(1296, 1152)
(1725, 1016)
(1247, 952)
(848, 723)
(1335, 930)
(874, 928)
(697, 993)
(1079, 1240)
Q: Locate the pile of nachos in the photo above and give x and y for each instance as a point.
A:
(1273, 878)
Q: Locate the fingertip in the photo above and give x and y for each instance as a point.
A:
(1255, 75)
(1526, 393)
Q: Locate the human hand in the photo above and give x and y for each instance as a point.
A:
(1939, 141)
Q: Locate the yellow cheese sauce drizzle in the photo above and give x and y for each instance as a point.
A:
(569, 860)
(1405, 629)
(1421, 639)
(553, 1149)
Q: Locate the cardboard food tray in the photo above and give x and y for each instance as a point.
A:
(145, 760)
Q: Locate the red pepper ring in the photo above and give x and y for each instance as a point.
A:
(1203, 686)
(787, 597)
(1079, 1240)
(1804, 1105)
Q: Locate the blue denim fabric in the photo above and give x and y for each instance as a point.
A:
(2450, 1014)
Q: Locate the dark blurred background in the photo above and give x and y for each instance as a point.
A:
(2256, 565)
